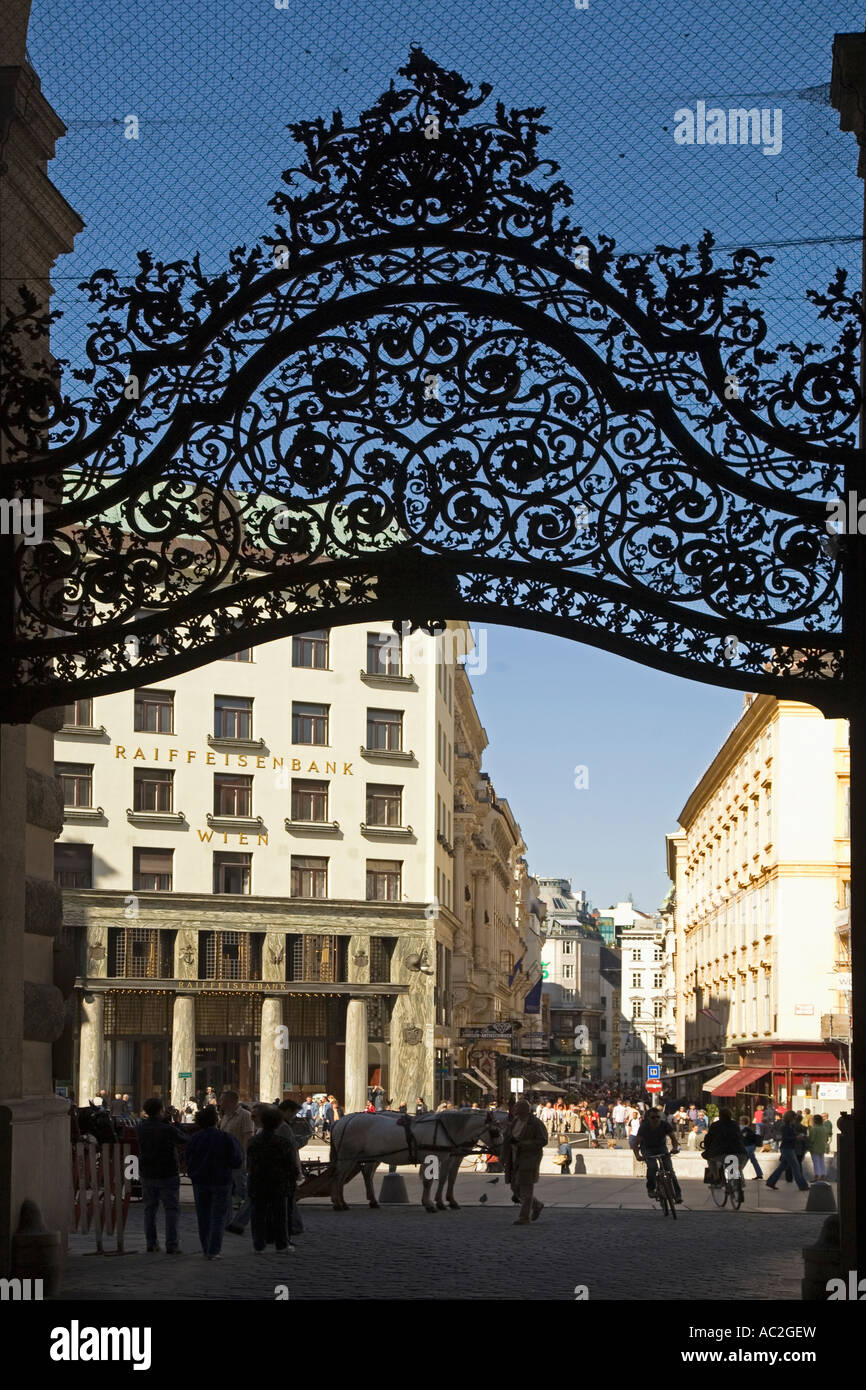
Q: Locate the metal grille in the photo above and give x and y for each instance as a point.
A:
(314, 958)
(137, 1015)
(228, 1016)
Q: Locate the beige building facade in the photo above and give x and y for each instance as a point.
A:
(761, 867)
(258, 875)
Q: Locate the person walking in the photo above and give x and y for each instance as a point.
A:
(212, 1155)
(820, 1135)
(758, 1120)
(768, 1127)
(272, 1163)
(158, 1144)
(788, 1160)
(327, 1114)
(749, 1137)
(523, 1144)
(235, 1120)
(420, 1107)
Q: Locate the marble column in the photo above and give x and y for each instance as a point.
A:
(91, 1072)
(356, 1055)
(272, 1052)
(182, 1048)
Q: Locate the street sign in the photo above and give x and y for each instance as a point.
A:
(654, 1071)
(654, 1086)
(184, 1075)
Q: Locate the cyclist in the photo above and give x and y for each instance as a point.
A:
(652, 1145)
(723, 1137)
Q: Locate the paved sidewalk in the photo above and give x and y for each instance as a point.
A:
(598, 1232)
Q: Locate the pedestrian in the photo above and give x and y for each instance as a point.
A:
(378, 1098)
(820, 1136)
(768, 1128)
(750, 1140)
(523, 1144)
(236, 1120)
(619, 1114)
(273, 1169)
(788, 1160)
(327, 1114)
(758, 1120)
(212, 1155)
(294, 1129)
(158, 1144)
(801, 1143)
(695, 1138)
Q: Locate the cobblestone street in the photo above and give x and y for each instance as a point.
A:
(598, 1232)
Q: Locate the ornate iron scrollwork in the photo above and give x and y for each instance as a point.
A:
(428, 392)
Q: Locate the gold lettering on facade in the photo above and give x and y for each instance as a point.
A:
(172, 754)
(314, 767)
(242, 840)
(138, 754)
(296, 764)
(331, 767)
(210, 759)
(190, 754)
(260, 762)
(276, 762)
(262, 840)
(119, 751)
(242, 762)
(205, 835)
(347, 768)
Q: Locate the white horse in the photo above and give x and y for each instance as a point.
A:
(437, 1141)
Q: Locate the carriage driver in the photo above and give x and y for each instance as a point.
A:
(523, 1145)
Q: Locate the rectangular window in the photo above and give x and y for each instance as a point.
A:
(636, 1008)
(658, 1008)
(232, 794)
(384, 805)
(768, 817)
(310, 723)
(753, 1006)
(76, 780)
(80, 714)
(73, 866)
(310, 649)
(309, 877)
(658, 981)
(568, 972)
(384, 880)
(232, 717)
(316, 958)
(846, 811)
(567, 948)
(152, 789)
(309, 800)
(658, 954)
(232, 873)
(635, 955)
(636, 981)
(245, 654)
(384, 654)
(385, 730)
(765, 1005)
(152, 870)
(154, 711)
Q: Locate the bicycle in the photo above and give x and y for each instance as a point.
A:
(665, 1192)
(731, 1185)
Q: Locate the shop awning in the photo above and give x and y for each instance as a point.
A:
(730, 1083)
(690, 1071)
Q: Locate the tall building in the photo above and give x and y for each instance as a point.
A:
(497, 945)
(263, 878)
(647, 1005)
(571, 960)
(761, 867)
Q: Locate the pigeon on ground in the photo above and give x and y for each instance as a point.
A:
(483, 1197)
(492, 1182)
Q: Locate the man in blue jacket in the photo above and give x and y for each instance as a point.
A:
(158, 1143)
(211, 1156)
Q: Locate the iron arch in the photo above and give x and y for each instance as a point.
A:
(426, 395)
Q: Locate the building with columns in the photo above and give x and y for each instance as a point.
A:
(263, 874)
(761, 867)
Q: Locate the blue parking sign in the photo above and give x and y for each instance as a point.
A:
(653, 1071)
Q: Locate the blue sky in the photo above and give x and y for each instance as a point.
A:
(214, 86)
